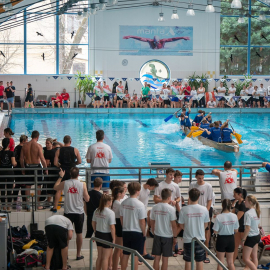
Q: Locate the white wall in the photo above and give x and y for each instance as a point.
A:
(104, 29)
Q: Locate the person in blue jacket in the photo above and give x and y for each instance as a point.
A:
(186, 113)
(266, 165)
(226, 133)
(215, 132)
(198, 118)
(205, 125)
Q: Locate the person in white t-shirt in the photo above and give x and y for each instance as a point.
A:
(163, 224)
(132, 216)
(221, 91)
(99, 154)
(193, 219)
(75, 193)
(168, 183)
(250, 90)
(256, 97)
(118, 194)
(149, 186)
(166, 92)
(193, 102)
(226, 225)
(263, 93)
(243, 92)
(205, 200)
(119, 90)
(251, 237)
(211, 103)
(104, 227)
(98, 90)
(59, 231)
(227, 180)
(232, 90)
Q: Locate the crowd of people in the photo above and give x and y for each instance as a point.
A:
(173, 96)
(126, 220)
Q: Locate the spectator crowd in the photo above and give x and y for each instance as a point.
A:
(126, 220)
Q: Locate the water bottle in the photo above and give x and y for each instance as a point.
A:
(19, 204)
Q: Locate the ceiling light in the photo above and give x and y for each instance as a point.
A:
(85, 12)
(93, 11)
(210, 8)
(174, 15)
(190, 11)
(79, 15)
(241, 19)
(102, 4)
(161, 18)
(262, 16)
(112, 2)
(236, 4)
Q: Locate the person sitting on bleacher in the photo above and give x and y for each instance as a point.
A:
(58, 100)
(65, 97)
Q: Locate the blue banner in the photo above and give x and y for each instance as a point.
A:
(90, 94)
(228, 80)
(204, 80)
(179, 80)
(235, 98)
(254, 80)
(82, 78)
(268, 98)
(156, 40)
(267, 80)
(69, 77)
(241, 80)
(55, 77)
(97, 78)
(111, 78)
(111, 95)
(188, 97)
(124, 79)
(218, 98)
(216, 80)
(137, 79)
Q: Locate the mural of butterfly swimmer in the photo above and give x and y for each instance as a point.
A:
(156, 43)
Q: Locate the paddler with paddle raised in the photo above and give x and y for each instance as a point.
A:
(198, 118)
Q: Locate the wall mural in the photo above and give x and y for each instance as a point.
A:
(156, 40)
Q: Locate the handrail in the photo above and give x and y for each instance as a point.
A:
(195, 239)
(131, 251)
(5, 101)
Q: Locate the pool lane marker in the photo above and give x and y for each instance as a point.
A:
(117, 152)
(45, 128)
(190, 157)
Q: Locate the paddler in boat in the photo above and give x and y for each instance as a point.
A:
(198, 118)
(186, 114)
(205, 125)
(214, 132)
(226, 133)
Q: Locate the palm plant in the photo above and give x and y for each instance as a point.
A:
(84, 86)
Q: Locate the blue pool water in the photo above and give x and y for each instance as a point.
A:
(137, 139)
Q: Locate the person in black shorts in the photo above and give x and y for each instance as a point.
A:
(65, 158)
(118, 193)
(19, 180)
(91, 206)
(226, 224)
(29, 97)
(251, 237)
(7, 160)
(239, 209)
(104, 227)
(59, 231)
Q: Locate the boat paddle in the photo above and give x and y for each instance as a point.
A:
(237, 136)
(171, 116)
(194, 128)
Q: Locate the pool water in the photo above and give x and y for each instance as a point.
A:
(137, 139)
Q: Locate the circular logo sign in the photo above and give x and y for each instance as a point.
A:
(155, 73)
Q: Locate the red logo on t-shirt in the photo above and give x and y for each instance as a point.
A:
(229, 180)
(100, 154)
(73, 190)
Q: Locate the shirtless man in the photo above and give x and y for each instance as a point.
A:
(31, 156)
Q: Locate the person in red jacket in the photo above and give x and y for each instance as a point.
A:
(2, 88)
(58, 100)
(8, 133)
(65, 97)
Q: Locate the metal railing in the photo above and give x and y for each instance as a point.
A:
(195, 239)
(246, 179)
(5, 101)
(132, 252)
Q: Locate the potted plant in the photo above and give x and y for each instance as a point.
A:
(84, 86)
(193, 81)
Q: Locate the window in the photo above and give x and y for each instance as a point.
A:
(46, 44)
(244, 47)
